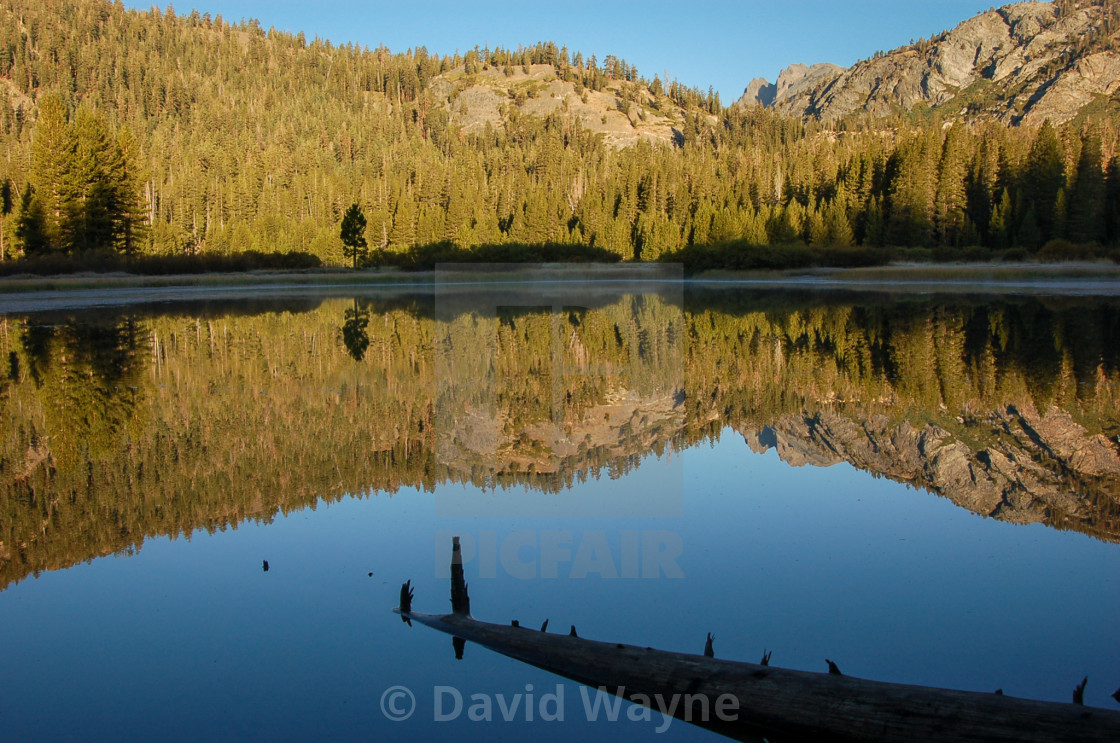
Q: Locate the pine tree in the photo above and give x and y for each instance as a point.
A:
(1044, 177)
(82, 180)
(125, 182)
(1112, 201)
(31, 224)
(52, 156)
(817, 229)
(403, 234)
(5, 210)
(951, 198)
(352, 234)
(999, 228)
(875, 226)
(1087, 199)
(1029, 234)
(839, 228)
(978, 194)
(912, 183)
(89, 195)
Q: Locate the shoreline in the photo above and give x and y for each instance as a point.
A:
(88, 291)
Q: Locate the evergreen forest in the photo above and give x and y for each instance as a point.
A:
(159, 134)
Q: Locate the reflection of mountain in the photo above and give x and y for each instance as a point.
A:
(612, 434)
(537, 395)
(1038, 468)
(173, 423)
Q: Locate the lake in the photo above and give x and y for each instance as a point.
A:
(207, 508)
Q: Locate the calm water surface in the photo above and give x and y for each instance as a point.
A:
(924, 491)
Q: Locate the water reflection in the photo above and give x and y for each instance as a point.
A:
(354, 335)
(84, 376)
(163, 424)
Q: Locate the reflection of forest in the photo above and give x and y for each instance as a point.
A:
(169, 423)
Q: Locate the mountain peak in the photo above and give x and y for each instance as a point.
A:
(1021, 63)
(792, 82)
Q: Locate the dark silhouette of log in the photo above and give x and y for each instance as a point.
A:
(544, 627)
(407, 592)
(1079, 691)
(766, 657)
(833, 668)
(787, 705)
(406, 601)
(460, 601)
(709, 651)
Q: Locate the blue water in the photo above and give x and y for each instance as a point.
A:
(189, 639)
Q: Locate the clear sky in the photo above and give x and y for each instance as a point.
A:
(701, 43)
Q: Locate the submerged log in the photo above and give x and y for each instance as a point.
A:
(782, 704)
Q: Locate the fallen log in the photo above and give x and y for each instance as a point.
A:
(775, 703)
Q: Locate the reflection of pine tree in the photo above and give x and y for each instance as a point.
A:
(87, 373)
(354, 335)
(196, 444)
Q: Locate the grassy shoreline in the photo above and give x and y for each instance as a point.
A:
(122, 280)
(934, 272)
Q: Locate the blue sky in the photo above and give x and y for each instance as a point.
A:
(701, 43)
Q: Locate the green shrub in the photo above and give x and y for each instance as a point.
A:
(1064, 250)
(967, 254)
(425, 257)
(853, 257)
(740, 255)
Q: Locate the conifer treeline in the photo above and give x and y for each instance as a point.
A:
(247, 139)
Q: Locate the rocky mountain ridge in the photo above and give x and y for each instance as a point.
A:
(1019, 64)
(1043, 468)
(623, 112)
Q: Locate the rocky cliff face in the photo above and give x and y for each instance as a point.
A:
(623, 113)
(1022, 63)
(793, 82)
(1044, 468)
